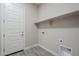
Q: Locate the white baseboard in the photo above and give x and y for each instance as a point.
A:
(53, 53)
(31, 46)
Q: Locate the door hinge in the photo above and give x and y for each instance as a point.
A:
(4, 50)
(3, 35)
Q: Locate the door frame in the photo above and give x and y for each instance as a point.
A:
(3, 27)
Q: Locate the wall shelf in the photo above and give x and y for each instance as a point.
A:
(57, 17)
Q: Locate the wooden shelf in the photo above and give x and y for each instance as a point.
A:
(58, 17)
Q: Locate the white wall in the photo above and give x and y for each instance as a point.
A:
(30, 28)
(66, 29)
(50, 10)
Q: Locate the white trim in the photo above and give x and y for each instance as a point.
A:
(29, 47)
(55, 54)
(2, 29)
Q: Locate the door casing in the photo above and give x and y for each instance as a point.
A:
(3, 27)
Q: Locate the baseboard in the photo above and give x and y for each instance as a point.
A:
(53, 53)
(31, 46)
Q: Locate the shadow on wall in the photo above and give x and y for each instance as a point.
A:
(66, 22)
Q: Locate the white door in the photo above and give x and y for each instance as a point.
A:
(14, 28)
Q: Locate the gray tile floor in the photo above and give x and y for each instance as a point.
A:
(36, 51)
